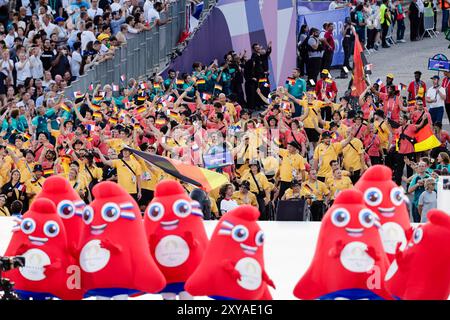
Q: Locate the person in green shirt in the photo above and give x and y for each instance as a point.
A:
(296, 88)
(385, 21)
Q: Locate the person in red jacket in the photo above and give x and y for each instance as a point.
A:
(326, 87)
(446, 86)
(417, 88)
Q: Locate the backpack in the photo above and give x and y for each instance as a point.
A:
(303, 48)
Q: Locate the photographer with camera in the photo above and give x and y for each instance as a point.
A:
(7, 264)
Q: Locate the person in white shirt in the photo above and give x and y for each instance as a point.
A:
(48, 26)
(87, 35)
(9, 39)
(435, 99)
(147, 6)
(37, 69)
(6, 64)
(116, 6)
(226, 203)
(23, 68)
(153, 17)
(75, 62)
(48, 81)
(94, 10)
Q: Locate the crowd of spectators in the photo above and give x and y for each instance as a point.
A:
(298, 142)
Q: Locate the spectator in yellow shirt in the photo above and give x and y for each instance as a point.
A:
(338, 183)
(327, 151)
(34, 186)
(128, 172)
(294, 192)
(319, 195)
(244, 196)
(292, 166)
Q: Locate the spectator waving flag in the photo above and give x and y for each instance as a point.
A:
(203, 178)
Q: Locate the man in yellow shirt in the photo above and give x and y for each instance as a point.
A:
(338, 183)
(294, 192)
(292, 166)
(327, 151)
(334, 164)
(34, 186)
(353, 159)
(318, 193)
(244, 196)
(383, 129)
(129, 172)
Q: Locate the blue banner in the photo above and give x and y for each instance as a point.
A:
(317, 19)
(304, 7)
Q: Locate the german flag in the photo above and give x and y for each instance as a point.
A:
(200, 177)
(426, 140)
(359, 76)
(218, 87)
(27, 136)
(97, 114)
(160, 122)
(78, 94)
(141, 98)
(156, 86)
(262, 80)
(180, 82)
(113, 120)
(49, 172)
(65, 107)
(200, 81)
(140, 109)
(95, 107)
(290, 81)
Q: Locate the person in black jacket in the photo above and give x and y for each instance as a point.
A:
(414, 18)
(255, 69)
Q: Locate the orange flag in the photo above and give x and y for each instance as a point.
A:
(359, 83)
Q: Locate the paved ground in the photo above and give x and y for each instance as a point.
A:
(402, 60)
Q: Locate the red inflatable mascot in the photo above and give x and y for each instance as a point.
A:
(348, 255)
(422, 270)
(40, 237)
(387, 200)
(114, 256)
(233, 266)
(69, 206)
(177, 237)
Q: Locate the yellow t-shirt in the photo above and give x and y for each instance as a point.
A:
(329, 177)
(342, 129)
(4, 212)
(214, 209)
(352, 155)
(125, 177)
(26, 173)
(314, 110)
(116, 144)
(289, 194)
(96, 172)
(249, 198)
(34, 187)
(263, 183)
(78, 184)
(230, 109)
(383, 133)
(289, 164)
(316, 188)
(6, 167)
(324, 154)
(337, 186)
(271, 165)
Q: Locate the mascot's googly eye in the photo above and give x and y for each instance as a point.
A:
(155, 211)
(181, 208)
(88, 214)
(110, 212)
(28, 225)
(239, 233)
(259, 238)
(418, 235)
(51, 229)
(66, 209)
(366, 218)
(373, 196)
(340, 217)
(397, 196)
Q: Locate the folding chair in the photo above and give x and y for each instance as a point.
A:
(389, 37)
(428, 23)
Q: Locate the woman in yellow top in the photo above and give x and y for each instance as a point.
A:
(4, 211)
(244, 196)
(78, 183)
(259, 186)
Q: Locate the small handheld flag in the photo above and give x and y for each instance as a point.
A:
(91, 87)
(180, 82)
(218, 87)
(65, 107)
(290, 81)
(206, 96)
(379, 82)
(200, 81)
(115, 87)
(78, 94)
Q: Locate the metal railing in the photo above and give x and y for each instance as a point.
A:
(144, 54)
